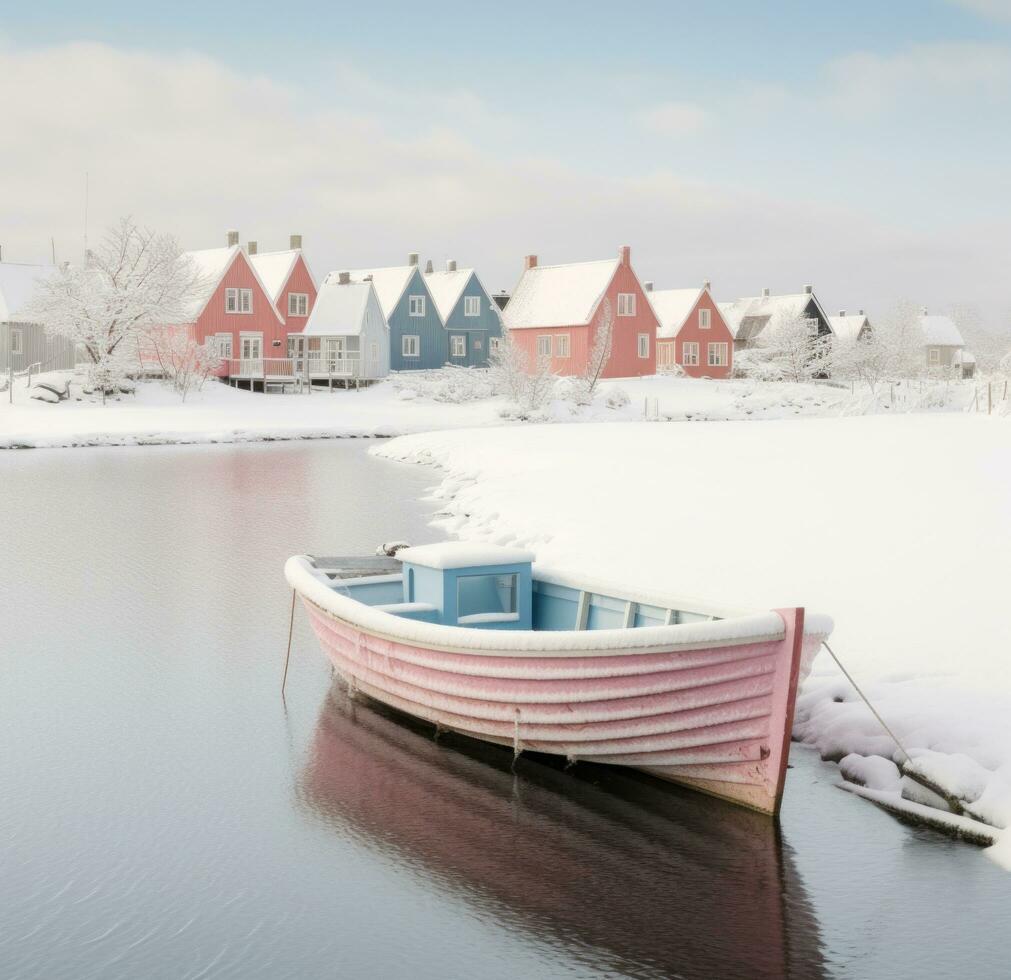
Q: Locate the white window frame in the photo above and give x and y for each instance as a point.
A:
(238, 300)
(545, 345)
(562, 345)
(17, 341)
(298, 304)
(705, 319)
(416, 305)
(472, 306)
(410, 345)
(253, 336)
(493, 344)
(626, 304)
(643, 345)
(224, 343)
(717, 355)
(458, 345)
(934, 355)
(690, 353)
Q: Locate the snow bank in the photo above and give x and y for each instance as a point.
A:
(893, 525)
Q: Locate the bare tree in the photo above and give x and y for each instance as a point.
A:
(987, 346)
(185, 364)
(134, 279)
(791, 344)
(583, 386)
(528, 383)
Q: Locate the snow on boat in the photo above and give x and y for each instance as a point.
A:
(476, 639)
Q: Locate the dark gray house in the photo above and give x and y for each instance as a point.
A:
(22, 342)
(749, 316)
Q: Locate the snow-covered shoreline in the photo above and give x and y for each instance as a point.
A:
(888, 524)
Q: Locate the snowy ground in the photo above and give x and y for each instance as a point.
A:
(896, 526)
(221, 414)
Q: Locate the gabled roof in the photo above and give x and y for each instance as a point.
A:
(17, 284)
(849, 326)
(390, 283)
(559, 295)
(339, 310)
(748, 316)
(212, 264)
(673, 306)
(275, 268)
(447, 288)
(940, 331)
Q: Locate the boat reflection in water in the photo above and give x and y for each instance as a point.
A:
(631, 875)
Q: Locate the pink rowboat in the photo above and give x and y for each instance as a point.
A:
(475, 639)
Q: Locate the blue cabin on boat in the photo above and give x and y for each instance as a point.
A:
(473, 585)
(470, 316)
(417, 338)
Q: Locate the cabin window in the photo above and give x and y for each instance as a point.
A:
(17, 343)
(935, 355)
(493, 344)
(410, 345)
(223, 344)
(298, 304)
(238, 301)
(689, 354)
(717, 355)
(626, 304)
(486, 595)
(416, 305)
(544, 346)
(458, 345)
(644, 345)
(705, 319)
(472, 306)
(562, 345)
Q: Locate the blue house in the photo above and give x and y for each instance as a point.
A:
(417, 338)
(470, 317)
(457, 583)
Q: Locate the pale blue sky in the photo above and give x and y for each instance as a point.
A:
(863, 145)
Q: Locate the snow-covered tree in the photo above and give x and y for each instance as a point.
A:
(185, 364)
(135, 279)
(583, 386)
(858, 360)
(987, 346)
(524, 382)
(790, 343)
(898, 337)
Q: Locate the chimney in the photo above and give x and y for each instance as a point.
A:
(344, 278)
(860, 312)
(251, 248)
(924, 311)
(233, 238)
(294, 242)
(648, 285)
(842, 313)
(706, 285)
(428, 267)
(412, 258)
(451, 265)
(625, 255)
(530, 262)
(809, 290)
(765, 290)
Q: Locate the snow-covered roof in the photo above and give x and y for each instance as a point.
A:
(339, 310)
(212, 264)
(940, 331)
(746, 317)
(447, 288)
(558, 295)
(274, 269)
(848, 326)
(672, 307)
(17, 283)
(463, 554)
(389, 283)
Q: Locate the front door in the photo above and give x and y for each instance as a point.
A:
(251, 354)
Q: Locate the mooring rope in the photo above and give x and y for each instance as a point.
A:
(867, 701)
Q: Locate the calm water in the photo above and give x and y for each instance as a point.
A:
(164, 815)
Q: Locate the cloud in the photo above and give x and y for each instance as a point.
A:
(672, 118)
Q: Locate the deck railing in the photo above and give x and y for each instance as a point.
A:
(301, 368)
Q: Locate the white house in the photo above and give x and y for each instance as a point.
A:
(942, 342)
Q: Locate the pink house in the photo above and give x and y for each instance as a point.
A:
(556, 310)
(693, 333)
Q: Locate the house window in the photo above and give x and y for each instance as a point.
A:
(238, 301)
(298, 304)
(458, 345)
(223, 344)
(416, 305)
(717, 355)
(17, 342)
(410, 345)
(562, 345)
(251, 345)
(704, 319)
(626, 304)
(472, 306)
(935, 355)
(544, 346)
(644, 345)
(493, 344)
(689, 354)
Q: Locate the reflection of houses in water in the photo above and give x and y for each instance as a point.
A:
(654, 880)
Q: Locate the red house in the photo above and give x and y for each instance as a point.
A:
(556, 310)
(288, 281)
(693, 333)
